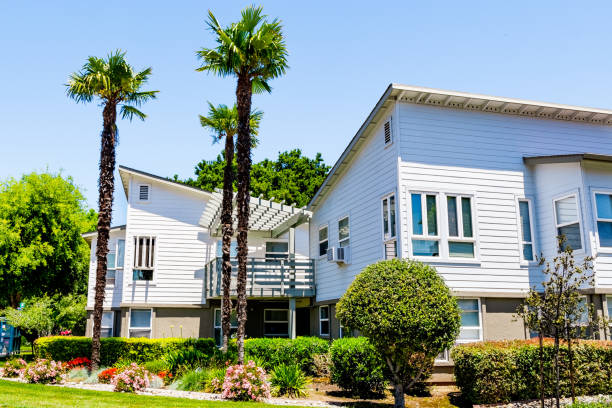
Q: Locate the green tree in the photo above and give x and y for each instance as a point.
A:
(407, 312)
(252, 50)
(42, 216)
(115, 84)
(223, 122)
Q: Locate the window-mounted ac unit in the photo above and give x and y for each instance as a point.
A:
(339, 255)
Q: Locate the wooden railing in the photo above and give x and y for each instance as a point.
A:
(265, 277)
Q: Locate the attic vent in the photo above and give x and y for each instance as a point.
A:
(143, 192)
(388, 138)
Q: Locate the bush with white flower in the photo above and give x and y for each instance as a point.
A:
(245, 382)
(131, 378)
(13, 368)
(43, 371)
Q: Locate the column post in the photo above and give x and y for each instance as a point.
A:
(292, 318)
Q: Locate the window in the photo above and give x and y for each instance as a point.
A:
(471, 329)
(388, 133)
(144, 258)
(277, 250)
(583, 307)
(219, 332)
(114, 261)
(389, 227)
(323, 241)
(568, 224)
(604, 219)
(444, 356)
(140, 323)
(460, 226)
(276, 322)
(324, 321)
(426, 240)
(343, 232)
(345, 332)
(108, 320)
(609, 304)
(526, 230)
(144, 191)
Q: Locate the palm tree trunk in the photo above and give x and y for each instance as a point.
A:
(106, 185)
(243, 149)
(228, 232)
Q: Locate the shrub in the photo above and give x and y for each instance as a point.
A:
(289, 380)
(107, 375)
(499, 372)
(357, 367)
(184, 359)
(217, 377)
(79, 374)
(272, 352)
(13, 368)
(44, 371)
(93, 376)
(79, 362)
(245, 382)
(131, 379)
(156, 366)
(113, 349)
(194, 380)
(166, 376)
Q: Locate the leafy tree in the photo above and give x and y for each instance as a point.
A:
(407, 312)
(42, 216)
(223, 122)
(252, 50)
(291, 177)
(115, 83)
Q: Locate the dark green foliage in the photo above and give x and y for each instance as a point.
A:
(289, 380)
(194, 380)
(357, 367)
(185, 359)
(272, 352)
(65, 348)
(155, 366)
(509, 371)
(292, 177)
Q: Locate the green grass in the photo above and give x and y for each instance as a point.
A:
(21, 395)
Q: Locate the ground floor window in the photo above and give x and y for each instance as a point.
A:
(324, 320)
(219, 331)
(345, 332)
(471, 321)
(444, 356)
(108, 320)
(140, 322)
(276, 322)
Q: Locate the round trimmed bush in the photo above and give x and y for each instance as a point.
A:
(357, 367)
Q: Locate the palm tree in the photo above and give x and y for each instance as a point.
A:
(223, 122)
(115, 83)
(252, 50)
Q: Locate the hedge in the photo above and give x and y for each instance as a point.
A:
(113, 349)
(272, 352)
(500, 372)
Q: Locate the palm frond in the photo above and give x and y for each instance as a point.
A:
(128, 112)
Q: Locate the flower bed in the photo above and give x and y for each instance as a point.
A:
(44, 371)
(13, 368)
(107, 375)
(245, 383)
(131, 379)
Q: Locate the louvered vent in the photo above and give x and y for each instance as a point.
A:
(387, 132)
(143, 193)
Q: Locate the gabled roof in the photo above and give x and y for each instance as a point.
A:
(88, 236)
(567, 158)
(126, 171)
(457, 100)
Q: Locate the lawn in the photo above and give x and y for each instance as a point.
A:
(21, 395)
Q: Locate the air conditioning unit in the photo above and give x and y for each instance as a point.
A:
(339, 255)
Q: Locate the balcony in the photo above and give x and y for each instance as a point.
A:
(265, 278)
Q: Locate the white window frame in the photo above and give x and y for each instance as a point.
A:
(479, 327)
(112, 326)
(445, 356)
(425, 236)
(392, 236)
(328, 320)
(276, 321)
(272, 258)
(150, 328)
(324, 226)
(529, 202)
(576, 194)
(148, 200)
(607, 306)
(153, 261)
(220, 325)
(461, 238)
(596, 218)
(348, 238)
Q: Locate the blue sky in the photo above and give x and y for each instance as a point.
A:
(342, 57)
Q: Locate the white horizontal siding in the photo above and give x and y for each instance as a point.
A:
(112, 293)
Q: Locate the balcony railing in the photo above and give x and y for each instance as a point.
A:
(265, 277)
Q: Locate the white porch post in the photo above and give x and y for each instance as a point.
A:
(292, 318)
(291, 243)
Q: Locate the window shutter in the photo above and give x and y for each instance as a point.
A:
(143, 193)
(388, 135)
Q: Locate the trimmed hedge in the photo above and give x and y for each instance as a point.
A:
(113, 349)
(500, 372)
(272, 352)
(357, 367)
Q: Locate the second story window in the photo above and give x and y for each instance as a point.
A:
(425, 234)
(604, 219)
(277, 250)
(567, 221)
(460, 226)
(526, 233)
(114, 261)
(144, 258)
(343, 232)
(323, 240)
(389, 227)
